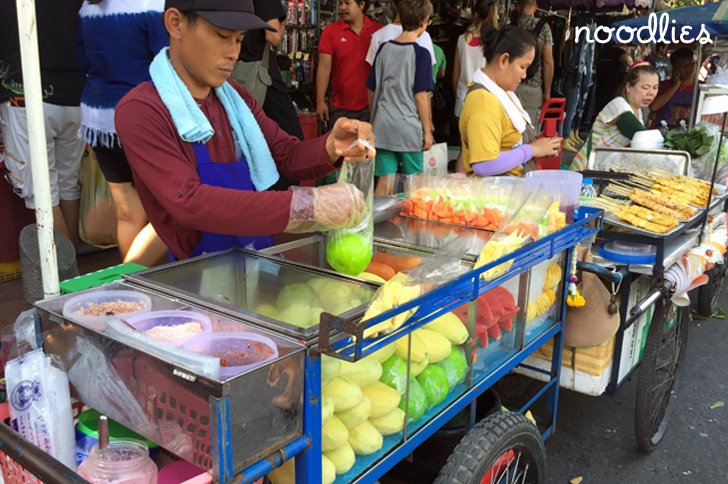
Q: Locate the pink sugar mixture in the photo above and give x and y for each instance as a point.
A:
(178, 331)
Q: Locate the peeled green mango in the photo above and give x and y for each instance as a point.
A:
(327, 409)
(330, 368)
(455, 366)
(328, 470)
(297, 314)
(354, 416)
(434, 383)
(342, 457)
(362, 373)
(334, 295)
(333, 434)
(345, 394)
(365, 439)
(296, 293)
(316, 283)
(390, 423)
(267, 310)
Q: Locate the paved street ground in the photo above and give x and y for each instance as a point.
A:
(595, 436)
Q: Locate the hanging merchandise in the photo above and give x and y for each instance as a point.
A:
(40, 411)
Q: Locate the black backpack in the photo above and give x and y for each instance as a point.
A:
(536, 65)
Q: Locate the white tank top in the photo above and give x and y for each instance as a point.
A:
(471, 59)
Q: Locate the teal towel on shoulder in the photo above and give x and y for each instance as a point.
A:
(193, 126)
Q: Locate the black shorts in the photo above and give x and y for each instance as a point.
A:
(113, 164)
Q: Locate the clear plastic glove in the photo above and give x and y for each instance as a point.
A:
(336, 206)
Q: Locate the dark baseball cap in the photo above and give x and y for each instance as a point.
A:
(226, 14)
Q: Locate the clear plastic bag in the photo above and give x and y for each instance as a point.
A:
(40, 405)
(702, 166)
(349, 251)
(433, 271)
(529, 224)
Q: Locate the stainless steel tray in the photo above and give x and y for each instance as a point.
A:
(159, 395)
(239, 283)
(612, 219)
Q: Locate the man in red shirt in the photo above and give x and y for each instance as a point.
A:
(202, 151)
(343, 49)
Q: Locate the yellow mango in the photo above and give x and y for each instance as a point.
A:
(418, 348)
(371, 277)
(383, 398)
(418, 367)
(389, 424)
(330, 368)
(393, 293)
(362, 373)
(342, 457)
(328, 470)
(450, 327)
(334, 434)
(285, 474)
(365, 439)
(354, 416)
(383, 354)
(436, 345)
(327, 409)
(344, 393)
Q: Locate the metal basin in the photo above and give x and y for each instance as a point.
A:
(385, 208)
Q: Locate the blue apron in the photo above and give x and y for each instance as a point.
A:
(236, 176)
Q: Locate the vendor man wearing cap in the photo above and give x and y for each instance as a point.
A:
(203, 152)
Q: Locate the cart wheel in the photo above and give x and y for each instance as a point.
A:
(501, 448)
(709, 294)
(658, 374)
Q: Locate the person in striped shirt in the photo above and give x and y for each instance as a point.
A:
(621, 118)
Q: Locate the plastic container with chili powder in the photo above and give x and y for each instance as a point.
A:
(238, 352)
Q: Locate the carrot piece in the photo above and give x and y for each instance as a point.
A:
(382, 270)
(396, 262)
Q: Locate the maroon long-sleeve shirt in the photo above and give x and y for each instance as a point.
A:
(165, 171)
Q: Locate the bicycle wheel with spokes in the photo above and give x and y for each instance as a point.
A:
(504, 448)
(658, 375)
(709, 294)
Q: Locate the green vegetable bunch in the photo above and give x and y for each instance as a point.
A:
(696, 141)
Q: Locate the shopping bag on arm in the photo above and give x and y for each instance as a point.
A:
(97, 212)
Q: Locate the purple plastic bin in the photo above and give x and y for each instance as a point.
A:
(243, 346)
(145, 322)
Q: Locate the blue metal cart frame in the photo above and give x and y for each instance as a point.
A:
(430, 306)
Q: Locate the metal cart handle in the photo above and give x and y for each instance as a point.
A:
(643, 305)
(615, 277)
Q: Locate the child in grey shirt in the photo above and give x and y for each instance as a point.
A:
(399, 86)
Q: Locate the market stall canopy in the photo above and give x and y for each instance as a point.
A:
(713, 15)
(593, 4)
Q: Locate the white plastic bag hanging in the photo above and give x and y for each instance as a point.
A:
(40, 405)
